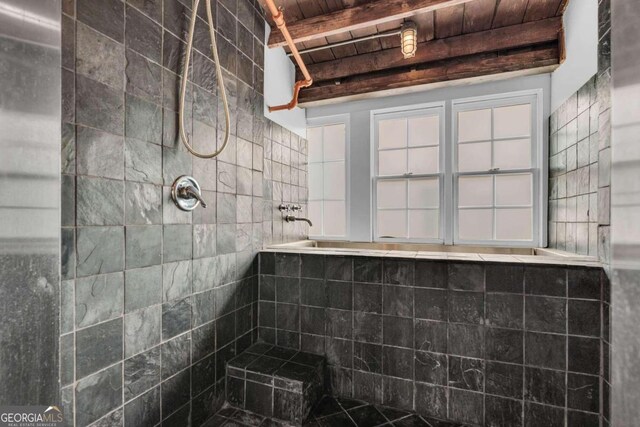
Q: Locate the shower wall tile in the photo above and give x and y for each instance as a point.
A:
(99, 106)
(104, 16)
(476, 343)
(142, 34)
(182, 285)
(142, 287)
(99, 57)
(99, 298)
(142, 330)
(99, 153)
(98, 394)
(143, 161)
(143, 78)
(144, 410)
(579, 159)
(98, 346)
(143, 246)
(99, 250)
(99, 201)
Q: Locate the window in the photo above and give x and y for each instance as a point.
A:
(477, 180)
(408, 175)
(495, 171)
(328, 178)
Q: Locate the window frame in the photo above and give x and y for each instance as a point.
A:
(439, 108)
(537, 168)
(339, 119)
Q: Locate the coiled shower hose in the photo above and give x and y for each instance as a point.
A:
(183, 91)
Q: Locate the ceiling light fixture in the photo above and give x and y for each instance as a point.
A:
(409, 35)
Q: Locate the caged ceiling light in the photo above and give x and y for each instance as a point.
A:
(409, 35)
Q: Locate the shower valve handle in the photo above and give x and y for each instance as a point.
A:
(185, 193)
(191, 192)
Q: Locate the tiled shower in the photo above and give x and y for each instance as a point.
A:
(173, 318)
(155, 300)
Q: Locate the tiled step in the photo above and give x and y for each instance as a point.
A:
(276, 382)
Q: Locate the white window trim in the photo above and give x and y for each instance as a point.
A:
(339, 119)
(448, 195)
(538, 164)
(403, 112)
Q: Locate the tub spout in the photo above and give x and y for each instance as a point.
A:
(292, 218)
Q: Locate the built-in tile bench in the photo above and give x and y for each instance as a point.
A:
(276, 382)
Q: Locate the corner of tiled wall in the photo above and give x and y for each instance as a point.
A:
(580, 158)
(580, 182)
(155, 300)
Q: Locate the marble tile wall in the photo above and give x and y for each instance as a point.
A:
(476, 343)
(155, 300)
(580, 160)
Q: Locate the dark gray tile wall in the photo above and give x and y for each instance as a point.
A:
(580, 177)
(155, 300)
(481, 344)
(580, 160)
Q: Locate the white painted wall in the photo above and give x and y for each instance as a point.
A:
(581, 41)
(279, 78)
(360, 215)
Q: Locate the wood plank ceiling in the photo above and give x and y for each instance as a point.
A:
(458, 39)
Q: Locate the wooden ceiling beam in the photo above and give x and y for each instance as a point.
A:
(481, 65)
(515, 36)
(357, 17)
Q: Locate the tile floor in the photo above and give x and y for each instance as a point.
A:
(332, 412)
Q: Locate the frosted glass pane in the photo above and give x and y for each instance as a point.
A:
(335, 219)
(424, 131)
(424, 160)
(334, 142)
(474, 125)
(513, 190)
(424, 224)
(512, 154)
(315, 215)
(315, 181)
(513, 224)
(424, 193)
(392, 162)
(475, 224)
(512, 121)
(314, 136)
(474, 157)
(392, 223)
(334, 181)
(392, 133)
(475, 191)
(392, 194)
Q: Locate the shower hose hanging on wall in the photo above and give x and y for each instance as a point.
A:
(279, 20)
(183, 86)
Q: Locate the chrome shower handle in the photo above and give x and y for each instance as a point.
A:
(185, 193)
(191, 192)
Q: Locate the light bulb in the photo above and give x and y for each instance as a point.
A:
(409, 34)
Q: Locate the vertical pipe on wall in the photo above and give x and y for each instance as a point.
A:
(278, 18)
